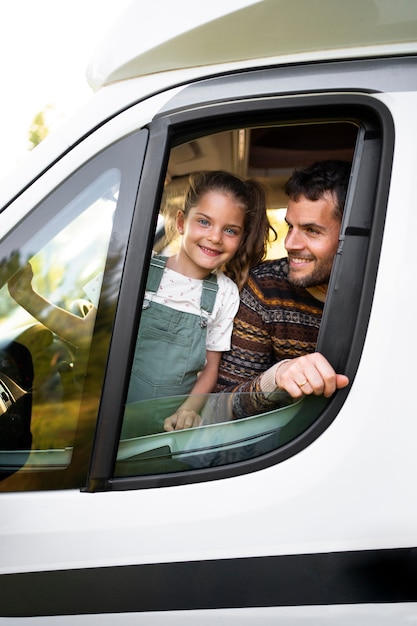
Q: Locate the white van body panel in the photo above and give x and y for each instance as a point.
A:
(294, 616)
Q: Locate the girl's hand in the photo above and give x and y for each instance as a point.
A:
(183, 418)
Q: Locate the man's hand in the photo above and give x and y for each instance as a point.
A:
(307, 375)
(183, 418)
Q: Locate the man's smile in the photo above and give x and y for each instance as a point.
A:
(299, 260)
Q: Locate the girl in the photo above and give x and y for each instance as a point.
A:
(192, 298)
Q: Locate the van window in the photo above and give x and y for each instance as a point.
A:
(56, 264)
(66, 419)
(268, 153)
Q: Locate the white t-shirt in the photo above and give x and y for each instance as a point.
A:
(182, 293)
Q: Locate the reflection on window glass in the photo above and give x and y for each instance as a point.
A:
(217, 440)
(47, 311)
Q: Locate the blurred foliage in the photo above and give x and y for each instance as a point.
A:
(39, 127)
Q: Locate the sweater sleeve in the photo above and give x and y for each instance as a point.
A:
(244, 369)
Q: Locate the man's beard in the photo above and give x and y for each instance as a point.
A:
(319, 276)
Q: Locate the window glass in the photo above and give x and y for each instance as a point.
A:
(42, 370)
(268, 154)
(218, 440)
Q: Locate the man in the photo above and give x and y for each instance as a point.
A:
(276, 327)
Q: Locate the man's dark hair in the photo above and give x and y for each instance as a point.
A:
(313, 181)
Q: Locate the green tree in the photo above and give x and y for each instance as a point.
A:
(39, 127)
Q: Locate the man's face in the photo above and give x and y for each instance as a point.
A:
(312, 240)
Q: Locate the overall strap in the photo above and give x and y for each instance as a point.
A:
(208, 296)
(156, 270)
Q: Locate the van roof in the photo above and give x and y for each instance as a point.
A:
(169, 35)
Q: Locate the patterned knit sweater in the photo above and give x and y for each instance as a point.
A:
(275, 321)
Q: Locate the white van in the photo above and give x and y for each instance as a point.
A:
(306, 515)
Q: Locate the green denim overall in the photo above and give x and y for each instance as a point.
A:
(170, 352)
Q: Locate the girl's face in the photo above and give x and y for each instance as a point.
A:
(212, 232)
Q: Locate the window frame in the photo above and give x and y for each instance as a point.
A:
(172, 128)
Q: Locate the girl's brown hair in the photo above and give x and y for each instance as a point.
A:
(252, 197)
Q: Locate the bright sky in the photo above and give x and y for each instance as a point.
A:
(45, 47)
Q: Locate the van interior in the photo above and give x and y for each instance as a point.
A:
(266, 153)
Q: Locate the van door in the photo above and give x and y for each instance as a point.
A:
(233, 521)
